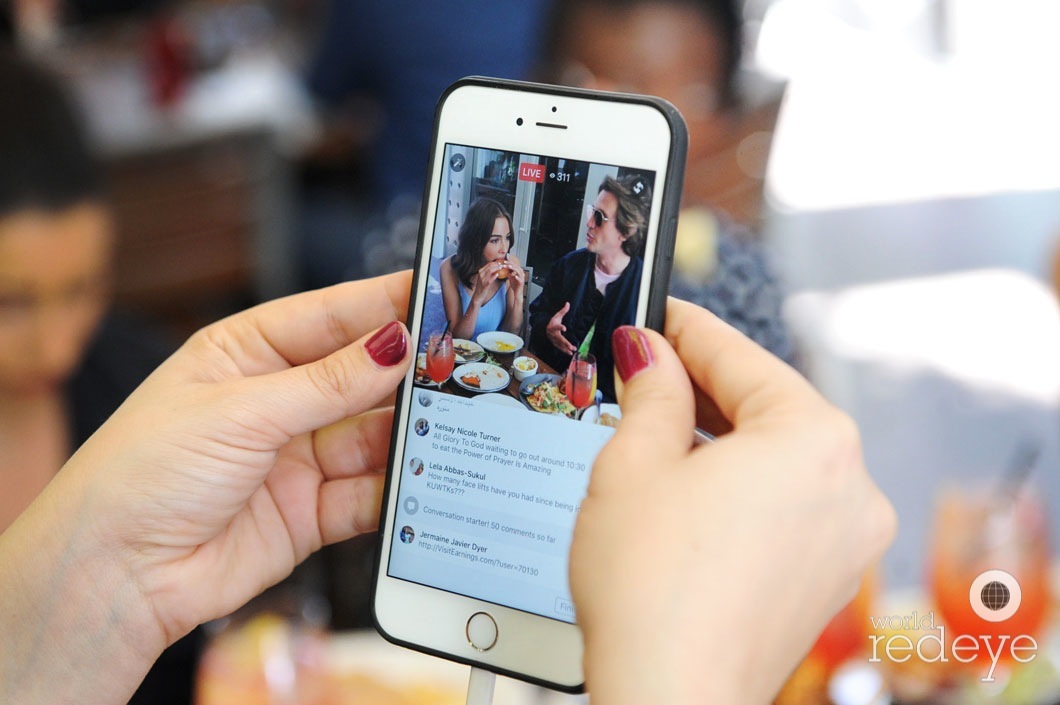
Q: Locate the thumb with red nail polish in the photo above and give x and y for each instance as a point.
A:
(655, 395)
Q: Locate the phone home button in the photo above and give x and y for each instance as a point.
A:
(481, 631)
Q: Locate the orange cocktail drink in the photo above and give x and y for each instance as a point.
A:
(580, 385)
(440, 357)
(989, 571)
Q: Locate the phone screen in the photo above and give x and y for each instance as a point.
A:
(534, 261)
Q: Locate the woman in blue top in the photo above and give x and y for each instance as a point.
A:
(482, 284)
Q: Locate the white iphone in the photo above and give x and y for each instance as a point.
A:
(548, 221)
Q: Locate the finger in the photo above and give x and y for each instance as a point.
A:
(305, 327)
(744, 380)
(354, 446)
(658, 408)
(312, 396)
(349, 506)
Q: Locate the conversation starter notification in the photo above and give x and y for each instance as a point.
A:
(487, 501)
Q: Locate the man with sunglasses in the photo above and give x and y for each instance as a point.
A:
(596, 285)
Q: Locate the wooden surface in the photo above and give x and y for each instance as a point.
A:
(191, 222)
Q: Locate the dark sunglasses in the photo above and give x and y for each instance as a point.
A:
(599, 218)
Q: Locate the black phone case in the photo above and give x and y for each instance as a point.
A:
(673, 182)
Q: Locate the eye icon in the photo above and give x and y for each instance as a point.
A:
(995, 595)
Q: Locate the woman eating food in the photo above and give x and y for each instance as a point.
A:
(483, 283)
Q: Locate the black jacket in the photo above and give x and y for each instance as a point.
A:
(572, 278)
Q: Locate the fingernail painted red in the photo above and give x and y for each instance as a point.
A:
(632, 352)
(387, 347)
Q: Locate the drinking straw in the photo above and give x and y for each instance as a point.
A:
(1019, 469)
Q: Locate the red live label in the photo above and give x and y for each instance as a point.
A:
(532, 172)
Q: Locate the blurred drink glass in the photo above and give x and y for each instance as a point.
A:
(976, 530)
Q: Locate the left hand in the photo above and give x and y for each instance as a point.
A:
(250, 448)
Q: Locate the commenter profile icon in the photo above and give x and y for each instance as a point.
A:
(995, 595)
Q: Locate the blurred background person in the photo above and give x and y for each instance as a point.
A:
(379, 68)
(37, 25)
(66, 363)
(688, 52)
(482, 284)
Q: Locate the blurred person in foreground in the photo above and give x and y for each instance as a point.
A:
(264, 437)
(65, 363)
(688, 52)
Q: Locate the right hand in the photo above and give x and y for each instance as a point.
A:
(555, 330)
(484, 285)
(705, 574)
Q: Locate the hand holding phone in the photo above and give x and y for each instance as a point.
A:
(703, 574)
(579, 191)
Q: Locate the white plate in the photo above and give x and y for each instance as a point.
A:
(474, 351)
(501, 399)
(491, 377)
(500, 342)
(589, 415)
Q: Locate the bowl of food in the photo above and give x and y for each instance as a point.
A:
(523, 367)
(501, 343)
(541, 393)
